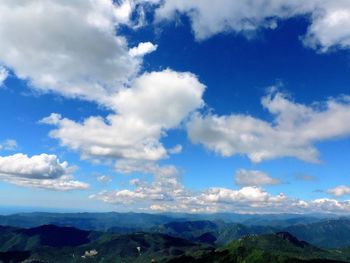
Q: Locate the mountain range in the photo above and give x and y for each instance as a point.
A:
(130, 237)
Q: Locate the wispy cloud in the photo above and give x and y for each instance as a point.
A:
(245, 177)
(8, 145)
(339, 191)
(3, 75)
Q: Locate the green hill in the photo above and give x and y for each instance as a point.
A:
(62, 244)
(272, 248)
(209, 232)
(50, 243)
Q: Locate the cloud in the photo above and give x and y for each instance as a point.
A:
(330, 26)
(128, 166)
(155, 103)
(329, 20)
(104, 179)
(249, 195)
(3, 75)
(8, 145)
(64, 183)
(166, 193)
(294, 130)
(176, 150)
(305, 177)
(142, 49)
(225, 16)
(253, 178)
(165, 187)
(41, 171)
(339, 191)
(328, 205)
(67, 47)
(124, 11)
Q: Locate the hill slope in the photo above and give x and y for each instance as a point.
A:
(281, 247)
(328, 233)
(209, 232)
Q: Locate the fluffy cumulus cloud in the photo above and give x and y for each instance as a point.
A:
(166, 193)
(40, 171)
(329, 20)
(142, 49)
(155, 103)
(330, 25)
(52, 44)
(165, 187)
(294, 130)
(339, 191)
(254, 178)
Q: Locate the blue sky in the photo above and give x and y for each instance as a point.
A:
(161, 106)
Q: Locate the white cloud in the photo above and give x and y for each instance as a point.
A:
(8, 145)
(128, 166)
(64, 183)
(41, 171)
(329, 19)
(3, 75)
(253, 178)
(249, 194)
(165, 187)
(142, 49)
(68, 47)
(155, 103)
(328, 205)
(104, 179)
(38, 166)
(123, 12)
(167, 194)
(238, 16)
(176, 150)
(292, 133)
(330, 25)
(339, 190)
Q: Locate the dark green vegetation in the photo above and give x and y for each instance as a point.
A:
(114, 237)
(12, 239)
(217, 232)
(280, 247)
(59, 244)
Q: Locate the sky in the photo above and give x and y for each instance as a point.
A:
(175, 106)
